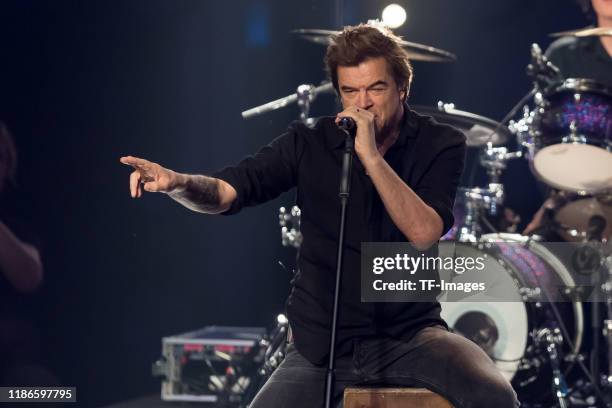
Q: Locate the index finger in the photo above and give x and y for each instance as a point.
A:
(133, 161)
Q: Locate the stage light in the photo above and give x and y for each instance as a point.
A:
(394, 15)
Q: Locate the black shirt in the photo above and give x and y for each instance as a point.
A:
(428, 156)
(581, 58)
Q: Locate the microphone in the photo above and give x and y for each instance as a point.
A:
(348, 125)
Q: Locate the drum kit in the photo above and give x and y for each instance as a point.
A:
(565, 134)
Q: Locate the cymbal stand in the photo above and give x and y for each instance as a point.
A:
(551, 339)
(304, 96)
(479, 199)
(607, 331)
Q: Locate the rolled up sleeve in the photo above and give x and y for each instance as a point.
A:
(264, 175)
(438, 185)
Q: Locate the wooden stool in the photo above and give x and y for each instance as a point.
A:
(393, 398)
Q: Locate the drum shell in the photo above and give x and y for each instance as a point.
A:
(577, 112)
(517, 321)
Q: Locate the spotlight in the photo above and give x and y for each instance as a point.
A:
(394, 15)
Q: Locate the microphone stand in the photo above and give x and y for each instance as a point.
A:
(344, 193)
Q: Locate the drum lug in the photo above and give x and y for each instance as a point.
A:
(549, 336)
(539, 100)
(574, 137)
(530, 294)
(574, 358)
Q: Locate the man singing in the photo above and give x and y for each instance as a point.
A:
(403, 187)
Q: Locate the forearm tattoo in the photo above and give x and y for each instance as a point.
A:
(200, 194)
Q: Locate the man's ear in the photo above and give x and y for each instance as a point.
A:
(403, 92)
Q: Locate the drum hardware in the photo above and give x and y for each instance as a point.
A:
(607, 292)
(290, 226)
(573, 136)
(551, 340)
(573, 358)
(607, 379)
(530, 294)
(494, 159)
(477, 200)
(543, 72)
(528, 364)
(304, 96)
(275, 345)
(485, 133)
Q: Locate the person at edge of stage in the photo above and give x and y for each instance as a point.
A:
(21, 276)
(579, 57)
(405, 176)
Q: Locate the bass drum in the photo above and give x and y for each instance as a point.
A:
(507, 330)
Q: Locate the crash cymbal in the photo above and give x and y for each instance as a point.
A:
(477, 129)
(416, 52)
(585, 32)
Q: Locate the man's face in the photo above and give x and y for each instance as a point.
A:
(370, 86)
(603, 8)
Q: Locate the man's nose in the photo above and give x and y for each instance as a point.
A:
(364, 101)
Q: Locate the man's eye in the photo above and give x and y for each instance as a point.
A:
(349, 91)
(377, 89)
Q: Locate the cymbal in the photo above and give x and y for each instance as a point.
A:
(585, 32)
(477, 129)
(416, 52)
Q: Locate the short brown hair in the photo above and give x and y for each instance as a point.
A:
(8, 157)
(356, 44)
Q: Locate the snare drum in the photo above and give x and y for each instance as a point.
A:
(569, 140)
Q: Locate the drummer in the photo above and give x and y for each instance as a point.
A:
(580, 57)
(586, 57)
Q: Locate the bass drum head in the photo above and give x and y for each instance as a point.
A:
(574, 167)
(504, 329)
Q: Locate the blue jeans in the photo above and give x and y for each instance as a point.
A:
(443, 362)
